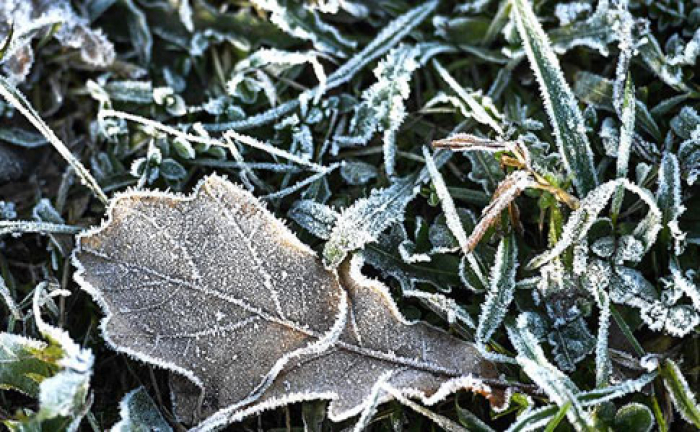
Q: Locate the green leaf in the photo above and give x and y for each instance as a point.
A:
(24, 363)
(140, 414)
(634, 417)
(367, 218)
(682, 396)
(564, 115)
(501, 290)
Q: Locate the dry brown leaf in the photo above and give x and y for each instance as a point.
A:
(214, 287)
(506, 192)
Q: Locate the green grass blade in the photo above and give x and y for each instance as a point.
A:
(681, 394)
(564, 115)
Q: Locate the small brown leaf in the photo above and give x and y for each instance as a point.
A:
(507, 191)
(214, 287)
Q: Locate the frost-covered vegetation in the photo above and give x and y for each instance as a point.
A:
(519, 173)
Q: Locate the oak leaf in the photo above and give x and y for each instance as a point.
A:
(215, 288)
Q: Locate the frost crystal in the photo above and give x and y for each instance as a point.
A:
(367, 218)
(569, 12)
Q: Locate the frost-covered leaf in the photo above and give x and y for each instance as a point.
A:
(382, 108)
(634, 417)
(558, 387)
(367, 218)
(564, 114)
(500, 291)
(300, 22)
(316, 218)
(140, 414)
(301, 332)
(357, 172)
(686, 122)
(668, 195)
(571, 342)
(670, 67)
(57, 373)
(683, 397)
(27, 19)
(22, 365)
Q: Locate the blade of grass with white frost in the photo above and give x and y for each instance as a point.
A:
(602, 358)
(15, 98)
(301, 184)
(21, 227)
(478, 112)
(451, 216)
(500, 292)
(441, 305)
(681, 393)
(443, 422)
(564, 115)
(535, 419)
(625, 146)
(388, 38)
(558, 387)
(9, 301)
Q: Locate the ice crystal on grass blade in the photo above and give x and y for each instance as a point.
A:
(302, 332)
(296, 20)
(581, 220)
(500, 292)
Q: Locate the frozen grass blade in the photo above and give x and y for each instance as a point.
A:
(9, 301)
(558, 386)
(564, 115)
(22, 227)
(451, 216)
(477, 110)
(681, 393)
(17, 99)
(244, 139)
(625, 146)
(501, 290)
